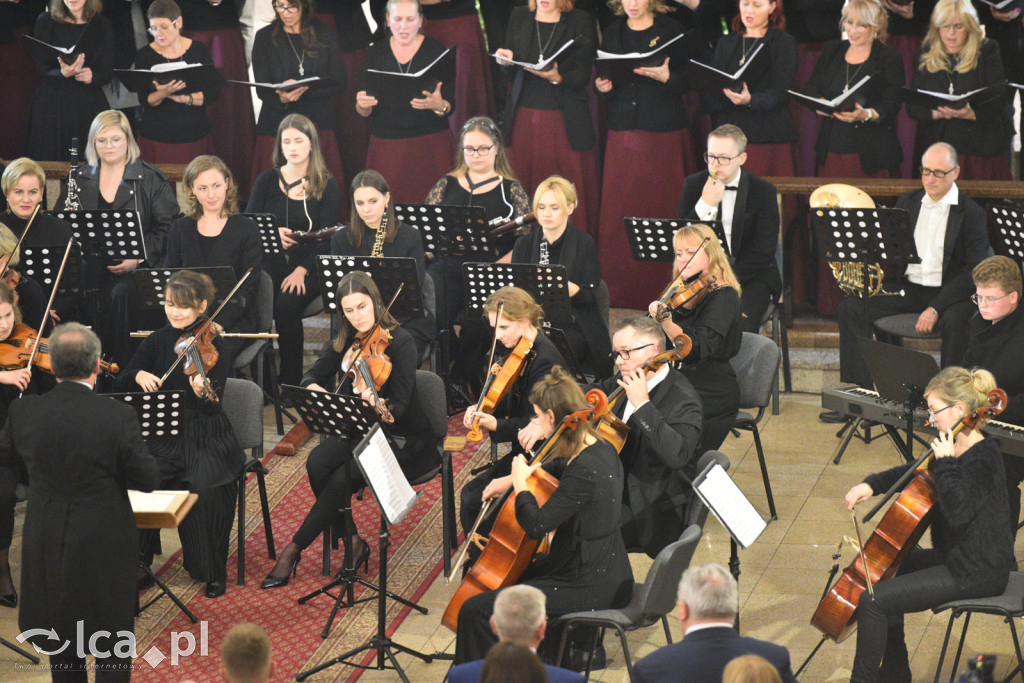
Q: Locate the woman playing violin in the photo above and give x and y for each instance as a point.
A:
(972, 542)
(511, 419)
(331, 476)
(204, 457)
(587, 567)
(713, 323)
(31, 300)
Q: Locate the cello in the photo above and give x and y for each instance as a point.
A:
(897, 533)
(508, 550)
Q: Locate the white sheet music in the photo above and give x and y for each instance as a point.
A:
(156, 501)
(730, 506)
(390, 487)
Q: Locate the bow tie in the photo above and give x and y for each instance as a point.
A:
(732, 188)
(931, 203)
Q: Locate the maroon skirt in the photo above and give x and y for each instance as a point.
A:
(353, 129)
(18, 81)
(807, 122)
(263, 158)
(411, 165)
(231, 114)
(175, 152)
(906, 127)
(474, 93)
(997, 167)
(540, 148)
(626, 194)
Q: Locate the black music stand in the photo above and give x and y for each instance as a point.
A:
(160, 415)
(41, 263)
(650, 239)
(387, 272)
(266, 223)
(151, 282)
(459, 232)
(1007, 222)
(350, 419)
(395, 498)
(108, 235)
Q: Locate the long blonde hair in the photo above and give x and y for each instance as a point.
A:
(718, 260)
(871, 13)
(933, 54)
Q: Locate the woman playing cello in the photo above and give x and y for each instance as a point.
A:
(587, 567)
(972, 553)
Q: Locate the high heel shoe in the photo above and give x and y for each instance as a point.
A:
(278, 582)
(9, 600)
(362, 555)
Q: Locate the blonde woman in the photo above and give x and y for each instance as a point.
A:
(956, 58)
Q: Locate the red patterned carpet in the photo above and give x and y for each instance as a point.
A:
(415, 560)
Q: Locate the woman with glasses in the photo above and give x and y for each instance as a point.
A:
(972, 542)
(297, 45)
(645, 122)
(409, 142)
(956, 58)
(713, 324)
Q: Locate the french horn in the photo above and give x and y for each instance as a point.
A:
(850, 274)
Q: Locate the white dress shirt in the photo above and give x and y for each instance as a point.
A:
(724, 211)
(930, 238)
(651, 383)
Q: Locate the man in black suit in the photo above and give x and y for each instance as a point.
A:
(951, 238)
(708, 604)
(79, 551)
(749, 212)
(663, 413)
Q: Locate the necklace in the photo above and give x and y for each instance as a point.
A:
(300, 60)
(545, 46)
(746, 52)
(849, 79)
(950, 82)
(408, 66)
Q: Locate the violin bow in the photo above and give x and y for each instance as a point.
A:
(49, 304)
(206, 325)
(679, 278)
(376, 324)
(21, 239)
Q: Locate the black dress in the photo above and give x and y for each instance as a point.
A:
(63, 108)
(205, 457)
(587, 568)
(170, 121)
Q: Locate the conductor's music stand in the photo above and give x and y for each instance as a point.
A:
(1007, 222)
(150, 283)
(270, 239)
(395, 498)
(350, 419)
(650, 239)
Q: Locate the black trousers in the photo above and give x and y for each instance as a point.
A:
(334, 478)
(755, 300)
(288, 308)
(70, 668)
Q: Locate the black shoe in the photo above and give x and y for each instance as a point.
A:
(215, 589)
(361, 551)
(144, 579)
(9, 600)
(278, 582)
(578, 657)
(832, 417)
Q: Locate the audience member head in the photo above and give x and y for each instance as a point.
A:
(359, 304)
(750, 669)
(508, 662)
(245, 655)
(864, 21)
(553, 202)
(110, 138)
(554, 397)
(997, 287)
(712, 259)
(707, 593)
(726, 152)
(74, 352)
(74, 11)
(636, 340)
(954, 38)
(755, 16)
(23, 183)
(298, 143)
(481, 150)
(209, 188)
(519, 615)
(955, 392)
(940, 167)
(371, 206)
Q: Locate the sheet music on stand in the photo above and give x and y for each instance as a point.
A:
(451, 230)
(41, 263)
(865, 235)
(114, 234)
(1008, 224)
(269, 237)
(151, 282)
(548, 285)
(346, 417)
(159, 412)
(725, 500)
(392, 491)
(650, 239)
(387, 272)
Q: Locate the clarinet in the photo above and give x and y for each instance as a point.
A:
(71, 202)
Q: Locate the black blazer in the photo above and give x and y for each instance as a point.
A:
(755, 227)
(658, 458)
(703, 655)
(876, 140)
(575, 70)
(987, 348)
(79, 557)
(965, 246)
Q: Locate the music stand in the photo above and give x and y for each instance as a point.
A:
(548, 285)
(395, 498)
(1007, 222)
(350, 419)
(266, 223)
(387, 272)
(41, 263)
(150, 283)
(110, 235)
(650, 239)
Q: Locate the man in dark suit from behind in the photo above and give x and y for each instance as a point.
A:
(749, 212)
(82, 452)
(519, 617)
(708, 603)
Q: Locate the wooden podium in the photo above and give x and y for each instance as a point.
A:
(161, 509)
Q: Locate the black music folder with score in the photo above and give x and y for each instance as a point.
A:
(709, 79)
(934, 100)
(619, 68)
(397, 89)
(313, 82)
(540, 64)
(87, 42)
(197, 77)
(846, 101)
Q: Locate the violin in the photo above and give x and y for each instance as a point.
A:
(499, 382)
(17, 348)
(367, 361)
(508, 549)
(897, 533)
(200, 355)
(681, 291)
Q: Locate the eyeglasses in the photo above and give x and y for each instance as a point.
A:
(952, 27)
(481, 151)
(286, 9)
(933, 413)
(718, 160)
(925, 172)
(625, 352)
(110, 142)
(154, 30)
(987, 300)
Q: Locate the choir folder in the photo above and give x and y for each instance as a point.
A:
(619, 68)
(844, 102)
(934, 100)
(710, 79)
(397, 89)
(197, 77)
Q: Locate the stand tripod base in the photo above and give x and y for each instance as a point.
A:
(27, 655)
(164, 590)
(385, 648)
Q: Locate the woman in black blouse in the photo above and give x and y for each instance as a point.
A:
(761, 109)
(409, 143)
(646, 121)
(713, 324)
(956, 58)
(547, 123)
(210, 234)
(375, 231)
(71, 93)
(294, 46)
(303, 196)
(174, 128)
(560, 242)
(907, 26)
(331, 471)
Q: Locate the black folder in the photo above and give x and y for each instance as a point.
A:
(566, 49)
(709, 79)
(844, 102)
(86, 43)
(313, 82)
(934, 100)
(197, 77)
(1004, 5)
(396, 89)
(619, 68)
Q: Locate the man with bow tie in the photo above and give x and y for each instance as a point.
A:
(747, 208)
